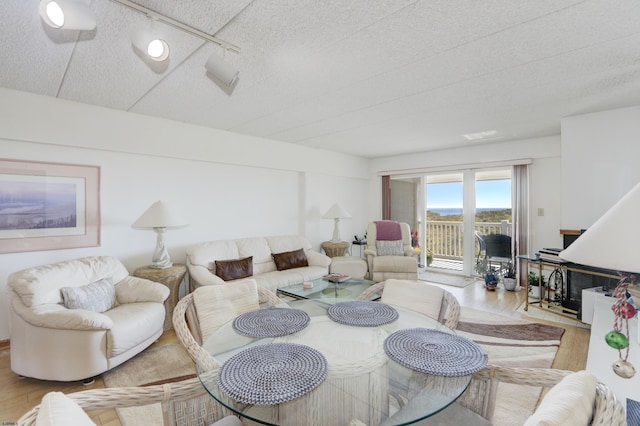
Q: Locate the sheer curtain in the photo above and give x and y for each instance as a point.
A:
(520, 196)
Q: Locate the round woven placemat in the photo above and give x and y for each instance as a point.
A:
(435, 352)
(362, 313)
(272, 373)
(271, 322)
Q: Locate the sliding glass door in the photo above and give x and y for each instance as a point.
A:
(445, 210)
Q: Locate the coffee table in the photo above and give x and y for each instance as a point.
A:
(328, 292)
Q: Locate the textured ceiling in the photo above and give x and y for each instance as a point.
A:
(370, 77)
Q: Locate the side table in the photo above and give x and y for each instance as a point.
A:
(335, 249)
(171, 277)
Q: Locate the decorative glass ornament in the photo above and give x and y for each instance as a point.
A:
(616, 340)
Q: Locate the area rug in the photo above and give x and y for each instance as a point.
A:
(448, 279)
(160, 364)
(507, 341)
(512, 342)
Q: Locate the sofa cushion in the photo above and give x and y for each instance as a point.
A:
(389, 248)
(282, 243)
(259, 249)
(133, 323)
(206, 253)
(234, 269)
(568, 403)
(290, 260)
(97, 297)
(58, 409)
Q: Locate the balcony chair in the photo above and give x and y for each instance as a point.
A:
(183, 403)
(389, 253)
(76, 319)
(418, 296)
(494, 249)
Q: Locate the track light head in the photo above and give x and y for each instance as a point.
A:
(150, 45)
(222, 70)
(67, 14)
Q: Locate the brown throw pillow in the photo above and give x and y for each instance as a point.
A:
(290, 259)
(234, 269)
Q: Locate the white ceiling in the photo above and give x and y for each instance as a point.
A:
(365, 77)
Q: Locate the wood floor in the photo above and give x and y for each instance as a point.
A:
(20, 395)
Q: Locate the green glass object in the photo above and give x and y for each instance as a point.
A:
(616, 340)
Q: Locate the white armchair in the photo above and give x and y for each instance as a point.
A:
(390, 256)
(76, 319)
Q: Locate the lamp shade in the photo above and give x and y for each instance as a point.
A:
(67, 14)
(160, 215)
(336, 212)
(222, 70)
(612, 241)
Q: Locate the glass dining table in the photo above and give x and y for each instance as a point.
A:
(333, 371)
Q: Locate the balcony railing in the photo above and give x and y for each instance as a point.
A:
(445, 239)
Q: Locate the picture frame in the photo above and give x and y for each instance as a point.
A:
(48, 206)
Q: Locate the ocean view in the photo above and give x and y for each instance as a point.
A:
(447, 211)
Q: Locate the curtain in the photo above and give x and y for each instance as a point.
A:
(520, 196)
(386, 197)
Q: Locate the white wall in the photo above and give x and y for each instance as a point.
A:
(600, 154)
(226, 185)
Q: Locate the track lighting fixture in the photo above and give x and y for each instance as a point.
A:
(67, 14)
(76, 15)
(221, 69)
(151, 45)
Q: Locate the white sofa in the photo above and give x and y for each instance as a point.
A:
(201, 260)
(51, 341)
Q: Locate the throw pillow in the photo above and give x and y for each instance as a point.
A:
(290, 259)
(390, 248)
(99, 296)
(234, 269)
(568, 403)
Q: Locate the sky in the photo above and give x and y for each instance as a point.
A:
(489, 194)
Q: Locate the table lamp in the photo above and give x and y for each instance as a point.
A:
(159, 217)
(336, 212)
(612, 243)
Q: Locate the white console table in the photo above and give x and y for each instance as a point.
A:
(601, 355)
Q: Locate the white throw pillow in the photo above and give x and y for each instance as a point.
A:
(58, 409)
(390, 248)
(569, 403)
(99, 296)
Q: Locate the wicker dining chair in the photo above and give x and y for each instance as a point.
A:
(184, 403)
(199, 313)
(480, 396)
(477, 404)
(419, 296)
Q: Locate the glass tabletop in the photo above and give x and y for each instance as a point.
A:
(328, 291)
(362, 382)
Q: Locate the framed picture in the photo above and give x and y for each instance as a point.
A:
(48, 206)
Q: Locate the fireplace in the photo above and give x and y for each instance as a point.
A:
(580, 277)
